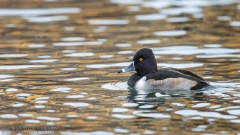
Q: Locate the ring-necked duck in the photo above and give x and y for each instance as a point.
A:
(148, 77)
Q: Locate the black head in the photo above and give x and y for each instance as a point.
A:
(143, 62)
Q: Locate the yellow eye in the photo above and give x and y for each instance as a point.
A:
(140, 59)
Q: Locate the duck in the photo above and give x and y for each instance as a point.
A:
(147, 75)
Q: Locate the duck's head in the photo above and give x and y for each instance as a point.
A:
(143, 63)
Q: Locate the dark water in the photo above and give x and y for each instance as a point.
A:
(59, 62)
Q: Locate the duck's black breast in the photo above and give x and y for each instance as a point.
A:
(133, 80)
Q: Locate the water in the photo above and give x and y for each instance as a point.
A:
(108, 22)
(37, 11)
(170, 33)
(59, 63)
(76, 43)
(46, 19)
(150, 17)
(36, 45)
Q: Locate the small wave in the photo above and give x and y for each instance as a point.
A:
(115, 86)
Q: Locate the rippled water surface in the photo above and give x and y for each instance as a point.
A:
(59, 63)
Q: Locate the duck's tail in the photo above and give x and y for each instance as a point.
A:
(201, 85)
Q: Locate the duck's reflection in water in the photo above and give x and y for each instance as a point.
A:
(159, 97)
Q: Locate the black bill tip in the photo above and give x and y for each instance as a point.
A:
(120, 71)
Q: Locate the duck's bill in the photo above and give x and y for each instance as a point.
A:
(128, 68)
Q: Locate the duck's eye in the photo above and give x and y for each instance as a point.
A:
(140, 59)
